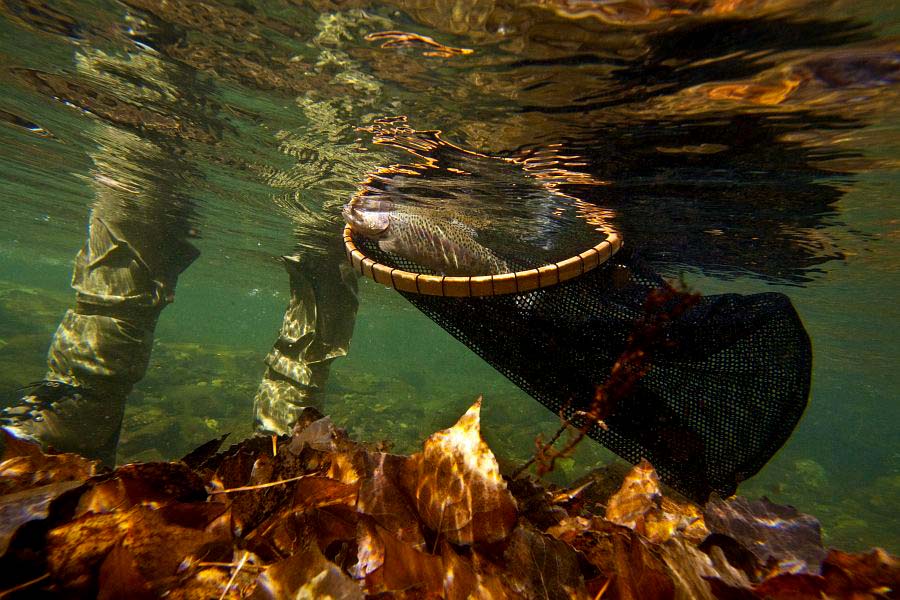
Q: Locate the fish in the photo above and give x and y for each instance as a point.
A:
(446, 246)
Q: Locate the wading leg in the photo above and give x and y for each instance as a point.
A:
(317, 327)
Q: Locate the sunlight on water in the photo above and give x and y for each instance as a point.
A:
(747, 146)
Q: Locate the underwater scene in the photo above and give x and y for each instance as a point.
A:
(175, 178)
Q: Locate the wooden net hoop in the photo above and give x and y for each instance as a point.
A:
(481, 285)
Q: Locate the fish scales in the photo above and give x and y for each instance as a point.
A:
(445, 246)
(438, 244)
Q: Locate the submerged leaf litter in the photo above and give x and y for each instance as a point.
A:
(317, 514)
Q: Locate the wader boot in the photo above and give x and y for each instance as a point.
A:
(316, 329)
(101, 348)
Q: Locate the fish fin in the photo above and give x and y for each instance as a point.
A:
(387, 245)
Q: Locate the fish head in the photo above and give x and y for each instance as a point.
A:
(369, 219)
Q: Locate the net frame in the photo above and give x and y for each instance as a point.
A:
(515, 282)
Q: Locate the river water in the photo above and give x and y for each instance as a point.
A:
(741, 145)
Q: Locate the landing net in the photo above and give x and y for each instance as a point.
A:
(717, 402)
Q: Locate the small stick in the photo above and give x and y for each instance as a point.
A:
(603, 589)
(260, 486)
(234, 575)
(22, 586)
(225, 565)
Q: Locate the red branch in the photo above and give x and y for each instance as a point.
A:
(661, 306)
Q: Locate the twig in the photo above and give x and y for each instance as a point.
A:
(226, 565)
(22, 586)
(260, 486)
(648, 335)
(603, 589)
(234, 575)
(559, 432)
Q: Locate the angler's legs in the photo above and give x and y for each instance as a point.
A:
(137, 245)
(317, 327)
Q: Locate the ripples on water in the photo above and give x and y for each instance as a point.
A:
(747, 145)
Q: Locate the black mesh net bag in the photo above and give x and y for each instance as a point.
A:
(717, 400)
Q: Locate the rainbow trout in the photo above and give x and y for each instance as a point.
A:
(443, 245)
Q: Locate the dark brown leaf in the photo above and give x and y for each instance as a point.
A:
(196, 457)
(120, 577)
(28, 505)
(382, 496)
(688, 567)
(624, 558)
(13, 446)
(792, 586)
(75, 550)
(156, 548)
(33, 470)
(142, 483)
(207, 584)
(389, 564)
(316, 492)
(875, 573)
(541, 566)
(639, 574)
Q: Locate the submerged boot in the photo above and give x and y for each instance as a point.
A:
(280, 404)
(315, 330)
(67, 418)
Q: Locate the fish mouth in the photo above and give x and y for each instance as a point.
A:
(359, 223)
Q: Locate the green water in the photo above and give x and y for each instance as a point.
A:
(748, 151)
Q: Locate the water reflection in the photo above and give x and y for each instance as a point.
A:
(513, 205)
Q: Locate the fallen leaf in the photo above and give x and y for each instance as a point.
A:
(155, 547)
(876, 573)
(370, 549)
(316, 492)
(142, 483)
(120, 577)
(640, 505)
(626, 559)
(402, 566)
(28, 505)
(76, 550)
(461, 582)
(540, 566)
(639, 573)
(306, 575)
(204, 452)
(729, 582)
(569, 528)
(688, 567)
(771, 532)
(638, 495)
(792, 586)
(14, 446)
(459, 492)
(208, 583)
(30, 470)
(382, 496)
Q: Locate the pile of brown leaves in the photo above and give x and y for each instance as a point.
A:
(318, 515)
